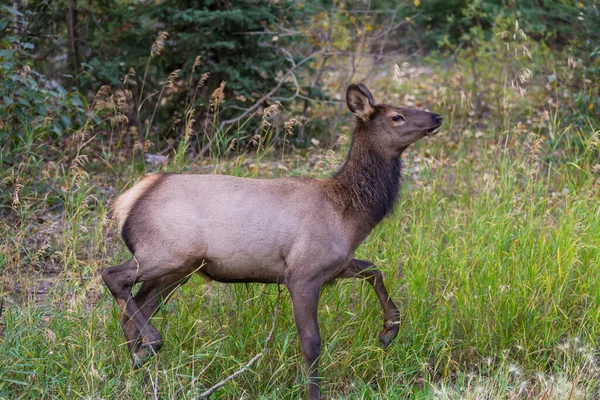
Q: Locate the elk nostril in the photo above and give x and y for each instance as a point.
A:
(438, 118)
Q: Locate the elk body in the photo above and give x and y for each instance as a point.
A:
(299, 232)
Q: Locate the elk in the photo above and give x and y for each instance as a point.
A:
(297, 231)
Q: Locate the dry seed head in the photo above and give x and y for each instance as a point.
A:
(171, 78)
(267, 114)
(16, 201)
(6, 180)
(26, 70)
(189, 125)
(80, 177)
(520, 128)
(340, 140)
(120, 100)
(79, 161)
(545, 117)
(525, 75)
(397, 73)
(232, 144)
(464, 100)
(108, 222)
(516, 86)
(41, 252)
(119, 119)
(196, 63)
(49, 335)
(202, 80)
(100, 99)
(594, 141)
(147, 145)
(489, 180)
(331, 158)
(217, 97)
(159, 44)
(523, 35)
(129, 77)
(101, 105)
(519, 31)
(320, 165)
(291, 123)
(76, 170)
(523, 388)
(535, 143)
(80, 135)
(456, 79)
(564, 347)
(514, 370)
(104, 91)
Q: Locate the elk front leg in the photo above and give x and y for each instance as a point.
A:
(366, 269)
(305, 299)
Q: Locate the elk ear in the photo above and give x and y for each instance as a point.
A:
(360, 101)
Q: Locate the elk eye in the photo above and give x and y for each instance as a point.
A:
(397, 118)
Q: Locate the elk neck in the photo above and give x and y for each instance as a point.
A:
(366, 186)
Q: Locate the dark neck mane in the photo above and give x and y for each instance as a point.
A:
(367, 184)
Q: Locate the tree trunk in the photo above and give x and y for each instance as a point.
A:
(72, 37)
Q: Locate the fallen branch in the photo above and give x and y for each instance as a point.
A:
(252, 360)
(257, 104)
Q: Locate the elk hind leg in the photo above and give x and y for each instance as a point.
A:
(120, 280)
(151, 296)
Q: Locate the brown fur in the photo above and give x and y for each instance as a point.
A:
(300, 232)
(367, 184)
(125, 202)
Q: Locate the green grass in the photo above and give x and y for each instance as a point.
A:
(497, 279)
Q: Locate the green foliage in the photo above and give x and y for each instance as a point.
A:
(587, 91)
(557, 22)
(30, 101)
(231, 37)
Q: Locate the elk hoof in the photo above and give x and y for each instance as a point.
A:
(136, 360)
(384, 341)
(145, 353)
(389, 332)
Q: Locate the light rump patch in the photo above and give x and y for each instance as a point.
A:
(125, 202)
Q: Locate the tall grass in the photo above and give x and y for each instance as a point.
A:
(492, 255)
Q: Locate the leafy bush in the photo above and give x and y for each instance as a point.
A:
(557, 22)
(30, 101)
(236, 41)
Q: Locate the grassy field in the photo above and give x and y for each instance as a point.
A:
(492, 255)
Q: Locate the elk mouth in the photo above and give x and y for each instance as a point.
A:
(433, 130)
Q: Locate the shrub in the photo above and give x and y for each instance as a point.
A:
(31, 103)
